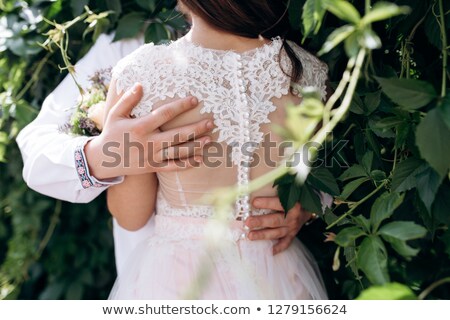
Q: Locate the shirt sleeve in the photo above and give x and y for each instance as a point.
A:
(50, 167)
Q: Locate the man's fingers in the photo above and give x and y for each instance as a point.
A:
(271, 220)
(272, 203)
(282, 244)
(184, 134)
(127, 102)
(186, 150)
(168, 112)
(268, 234)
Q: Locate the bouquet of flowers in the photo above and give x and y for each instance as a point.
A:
(87, 120)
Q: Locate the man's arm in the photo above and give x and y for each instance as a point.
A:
(48, 154)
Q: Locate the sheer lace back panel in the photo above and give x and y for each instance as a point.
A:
(244, 93)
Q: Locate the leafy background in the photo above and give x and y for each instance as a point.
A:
(388, 230)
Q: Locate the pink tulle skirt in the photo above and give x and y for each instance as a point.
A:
(191, 258)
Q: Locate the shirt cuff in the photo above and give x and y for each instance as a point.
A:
(86, 179)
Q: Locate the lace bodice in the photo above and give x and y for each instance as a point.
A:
(238, 90)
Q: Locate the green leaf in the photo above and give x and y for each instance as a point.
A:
(352, 186)
(404, 177)
(372, 260)
(323, 180)
(309, 199)
(444, 110)
(398, 232)
(410, 94)
(156, 32)
(403, 230)
(355, 171)
(347, 236)
(390, 291)
(130, 25)
(312, 16)
(363, 222)
(383, 11)
(289, 195)
(378, 176)
(344, 10)
(149, 5)
(441, 205)
(384, 207)
(431, 141)
(428, 182)
(367, 161)
(351, 46)
(369, 39)
(286, 179)
(336, 37)
(372, 101)
(402, 247)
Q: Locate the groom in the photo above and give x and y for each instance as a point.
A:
(49, 155)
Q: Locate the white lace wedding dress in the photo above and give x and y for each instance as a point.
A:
(190, 254)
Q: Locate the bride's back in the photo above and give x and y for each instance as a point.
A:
(244, 93)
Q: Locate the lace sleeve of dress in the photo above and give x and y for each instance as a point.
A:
(315, 72)
(147, 65)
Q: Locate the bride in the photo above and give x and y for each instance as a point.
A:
(237, 61)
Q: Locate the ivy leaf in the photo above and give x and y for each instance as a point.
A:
(323, 180)
(390, 291)
(398, 232)
(312, 16)
(363, 222)
(437, 154)
(309, 199)
(444, 110)
(289, 195)
(441, 205)
(286, 179)
(372, 101)
(402, 247)
(352, 186)
(403, 230)
(347, 236)
(404, 177)
(369, 39)
(372, 260)
(428, 182)
(344, 10)
(410, 94)
(149, 5)
(355, 171)
(367, 161)
(384, 207)
(130, 25)
(336, 37)
(156, 32)
(383, 11)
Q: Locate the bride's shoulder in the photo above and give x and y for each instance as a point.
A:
(144, 54)
(315, 71)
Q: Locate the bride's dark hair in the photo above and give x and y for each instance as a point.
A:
(250, 19)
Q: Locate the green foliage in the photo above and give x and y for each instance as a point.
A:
(393, 212)
(49, 249)
(390, 181)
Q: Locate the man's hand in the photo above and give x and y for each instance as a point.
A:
(276, 226)
(129, 146)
